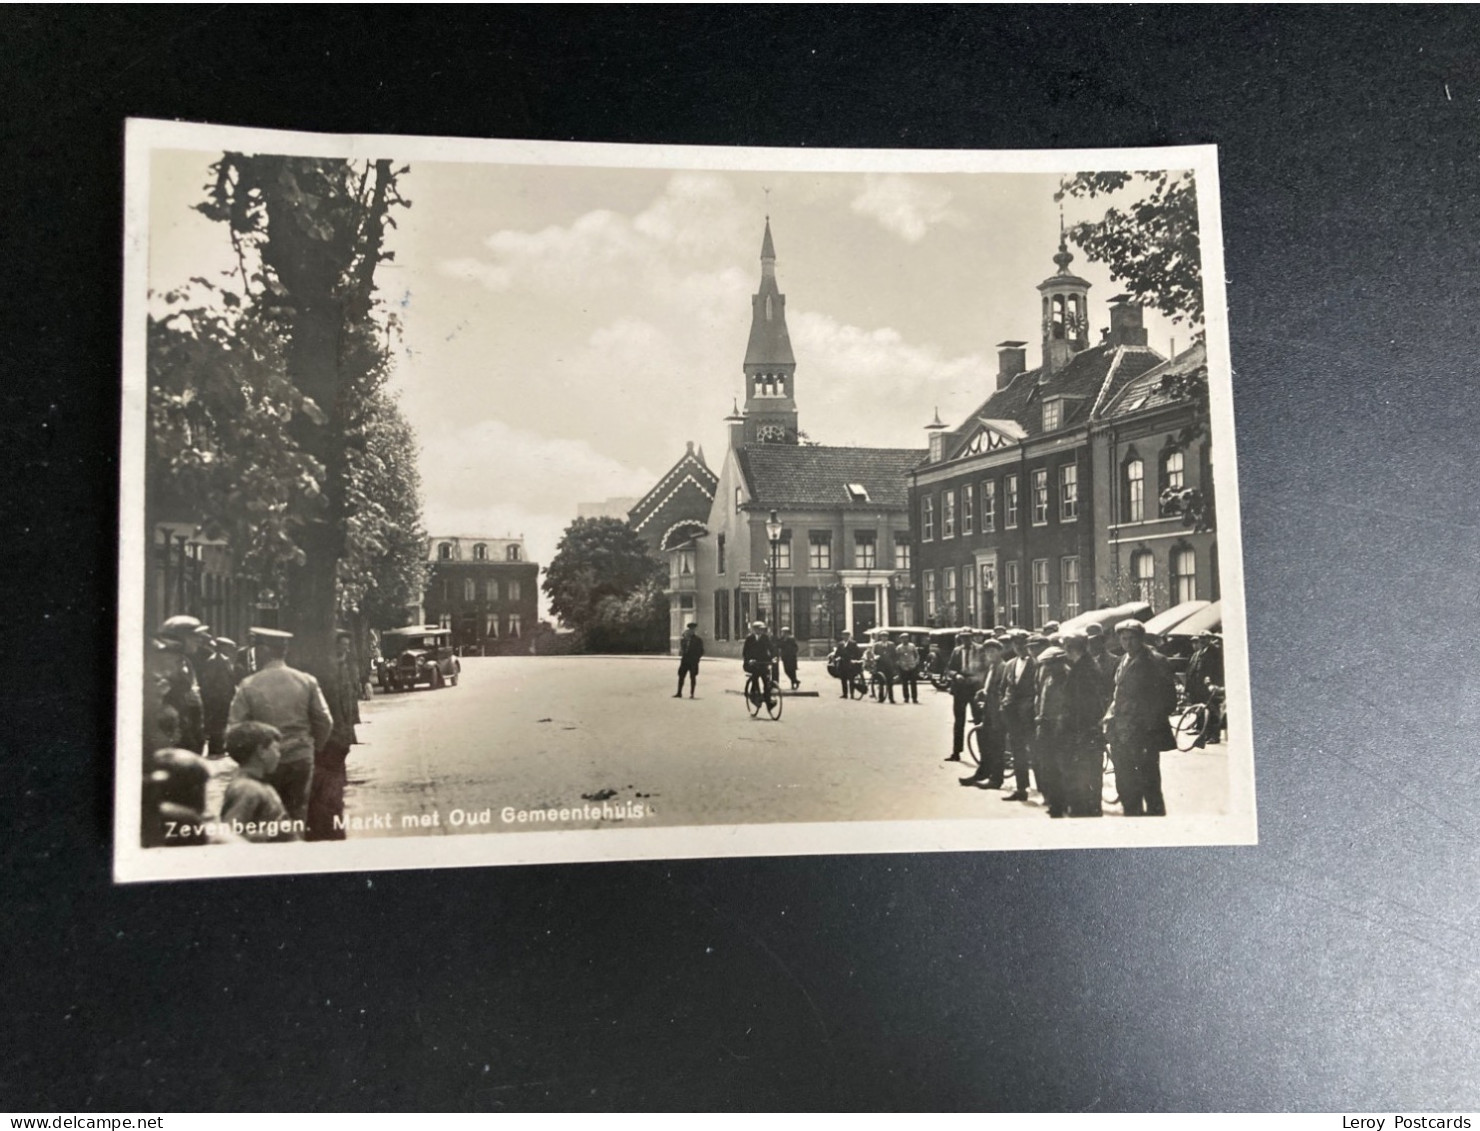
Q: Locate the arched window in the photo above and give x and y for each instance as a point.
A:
(1184, 575)
(1172, 474)
(512, 553)
(1133, 505)
(444, 551)
(480, 552)
(1143, 575)
(1058, 316)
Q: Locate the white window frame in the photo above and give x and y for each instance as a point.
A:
(1068, 491)
(1011, 499)
(927, 518)
(1041, 604)
(947, 514)
(968, 508)
(1069, 586)
(989, 505)
(1040, 496)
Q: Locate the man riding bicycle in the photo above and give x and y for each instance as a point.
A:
(759, 657)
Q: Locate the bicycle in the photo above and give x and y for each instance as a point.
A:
(1200, 723)
(758, 695)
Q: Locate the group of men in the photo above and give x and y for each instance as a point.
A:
(1053, 701)
(201, 688)
(759, 654)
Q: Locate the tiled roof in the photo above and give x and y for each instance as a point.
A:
(1091, 377)
(797, 476)
(691, 464)
(1147, 391)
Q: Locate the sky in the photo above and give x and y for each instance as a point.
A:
(566, 329)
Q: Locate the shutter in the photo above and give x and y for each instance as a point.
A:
(801, 612)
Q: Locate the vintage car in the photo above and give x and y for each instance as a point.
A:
(418, 654)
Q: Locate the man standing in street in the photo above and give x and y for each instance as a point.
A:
(1099, 655)
(1205, 671)
(293, 702)
(690, 652)
(174, 662)
(787, 645)
(907, 656)
(989, 773)
(1084, 765)
(217, 686)
(847, 657)
(968, 665)
(326, 794)
(1019, 705)
(1140, 729)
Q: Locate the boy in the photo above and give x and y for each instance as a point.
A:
(252, 808)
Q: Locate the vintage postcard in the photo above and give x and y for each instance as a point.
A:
(492, 502)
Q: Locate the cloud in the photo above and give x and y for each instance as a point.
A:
(903, 205)
(866, 386)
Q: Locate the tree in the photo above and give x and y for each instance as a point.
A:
(604, 583)
(309, 234)
(1151, 245)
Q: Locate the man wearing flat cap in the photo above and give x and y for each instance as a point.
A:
(690, 652)
(968, 665)
(1019, 710)
(758, 655)
(293, 702)
(1139, 721)
(1204, 672)
(173, 662)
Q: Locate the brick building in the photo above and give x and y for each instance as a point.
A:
(485, 591)
(1003, 506)
(670, 518)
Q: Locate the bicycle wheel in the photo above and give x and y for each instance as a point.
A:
(1190, 726)
(753, 696)
(773, 703)
(973, 746)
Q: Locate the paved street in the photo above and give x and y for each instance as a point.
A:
(560, 732)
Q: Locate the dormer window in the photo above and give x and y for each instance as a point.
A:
(1053, 415)
(857, 493)
(480, 552)
(512, 553)
(444, 551)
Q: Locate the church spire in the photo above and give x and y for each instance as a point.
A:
(770, 366)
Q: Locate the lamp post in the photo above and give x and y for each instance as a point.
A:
(773, 533)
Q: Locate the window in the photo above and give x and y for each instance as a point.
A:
(865, 549)
(1040, 592)
(783, 551)
(722, 614)
(469, 589)
(490, 626)
(989, 594)
(1010, 502)
(930, 602)
(1013, 597)
(513, 590)
(948, 595)
(1068, 492)
(684, 561)
(1053, 415)
(480, 552)
(492, 589)
(927, 518)
(989, 505)
(1143, 574)
(948, 514)
(739, 498)
(819, 549)
(857, 493)
(514, 624)
(1040, 496)
(901, 551)
(444, 552)
(720, 549)
(1069, 587)
(783, 608)
(444, 621)
(968, 509)
(968, 593)
(1134, 507)
(1171, 471)
(1184, 575)
(512, 554)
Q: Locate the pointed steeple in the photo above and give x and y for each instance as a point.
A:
(770, 366)
(1065, 309)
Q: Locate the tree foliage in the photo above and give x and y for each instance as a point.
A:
(604, 583)
(1151, 244)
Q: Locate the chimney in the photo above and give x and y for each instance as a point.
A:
(1126, 328)
(937, 433)
(1012, 359)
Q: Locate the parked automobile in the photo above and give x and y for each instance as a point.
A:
(1107, 618)
(418, 654)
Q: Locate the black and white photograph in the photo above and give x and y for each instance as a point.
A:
(491, 502)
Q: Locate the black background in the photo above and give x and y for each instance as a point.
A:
(1332, 967)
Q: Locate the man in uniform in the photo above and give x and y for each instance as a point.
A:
(1145, 696)
(847, 657)
(217, 686)
(690, 652)
(293, 702)
(759, 655)
(1019, 706)
(174, 661)
(787, 646)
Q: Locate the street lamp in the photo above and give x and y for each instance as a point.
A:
(773, 532)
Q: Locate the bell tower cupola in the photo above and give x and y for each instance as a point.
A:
(770, 367)
(1065, 310)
